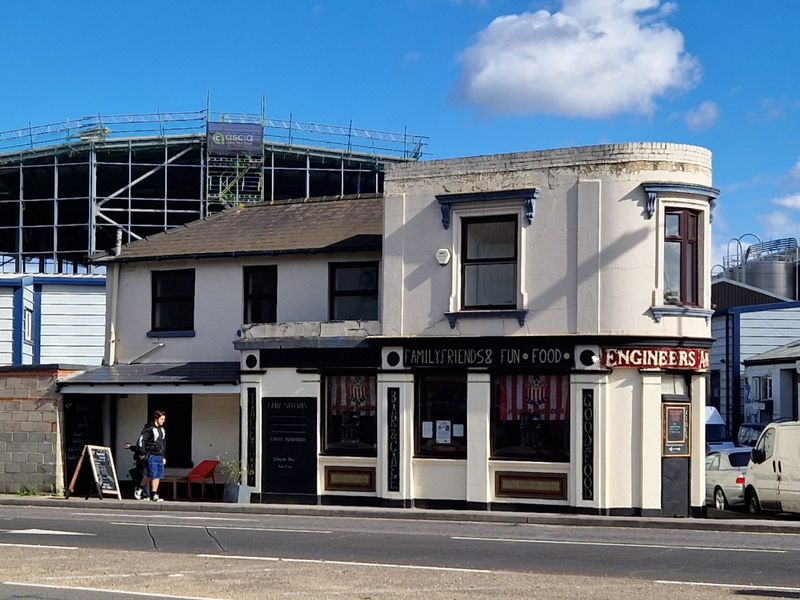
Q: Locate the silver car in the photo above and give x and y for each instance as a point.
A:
(725, 477)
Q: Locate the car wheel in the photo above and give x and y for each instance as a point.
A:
(720, 502)
(752, 503)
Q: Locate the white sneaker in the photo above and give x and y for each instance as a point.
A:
(137, 493)
(156, 498)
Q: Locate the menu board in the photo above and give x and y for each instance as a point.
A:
(83, 425)
(104, 474)
(289, 445)
(675, 430)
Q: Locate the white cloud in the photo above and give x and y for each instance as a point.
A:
(593, 59)
(795, 172)
(703, 117)
(792, 201)
(779, 224)
(412, 56)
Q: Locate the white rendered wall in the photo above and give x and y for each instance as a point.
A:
(302, 296)
(591, 258)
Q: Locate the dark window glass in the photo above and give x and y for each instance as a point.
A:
(441, 416)
(350, 425)
(173, 300)
(530, 417)
(354, 291)
(739, 459)
(680, 257)
(260, 294)
(177, 427)
(489, 262)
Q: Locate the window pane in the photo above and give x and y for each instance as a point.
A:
(530, 417)
(441, 422)
(672, 272)
(491, 240)
(260, 294)
(691, 274)
(173, 300)
(673, 225)
(356, 278)
(490, 284)
(351, 414)
(355, 308)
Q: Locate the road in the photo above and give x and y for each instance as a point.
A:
(80, 553)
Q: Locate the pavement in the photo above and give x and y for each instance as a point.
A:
(716, 521)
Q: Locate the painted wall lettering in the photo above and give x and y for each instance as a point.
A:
(694, 359)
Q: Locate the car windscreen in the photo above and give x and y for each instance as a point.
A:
(748, 434)
(716, 433)
(739, 459)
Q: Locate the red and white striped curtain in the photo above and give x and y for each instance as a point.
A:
(352, 393)
(546, 397)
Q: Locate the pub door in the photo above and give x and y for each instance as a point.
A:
(289, 449)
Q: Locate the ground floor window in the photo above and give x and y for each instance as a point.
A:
(350, 422)
(530, 417)
(441, 416)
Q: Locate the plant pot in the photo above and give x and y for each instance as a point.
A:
(236, 492)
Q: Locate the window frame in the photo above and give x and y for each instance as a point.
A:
(333, 293)
(465, 262)
(325, 447)
(689, 261)
(249, 297)
(157, 302)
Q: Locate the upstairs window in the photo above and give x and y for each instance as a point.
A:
(354, 291)
(173, 300)
(260, 294)
(680, 257)
(489, 263)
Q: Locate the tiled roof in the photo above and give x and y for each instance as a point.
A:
(318, 225)
(190, 373)
(788, 353)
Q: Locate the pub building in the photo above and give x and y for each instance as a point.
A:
(542, 344)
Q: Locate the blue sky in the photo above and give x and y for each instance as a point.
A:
(476, 76)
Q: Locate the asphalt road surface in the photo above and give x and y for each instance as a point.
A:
(75, 553)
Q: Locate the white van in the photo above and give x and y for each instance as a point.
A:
(717, 437)
(772, 479)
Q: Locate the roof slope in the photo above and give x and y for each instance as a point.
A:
(787, 353)
(319, 225)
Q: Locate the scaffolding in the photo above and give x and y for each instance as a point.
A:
(68, 189)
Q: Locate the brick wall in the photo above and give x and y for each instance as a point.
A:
(31, 430)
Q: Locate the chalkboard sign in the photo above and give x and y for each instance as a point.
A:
(83, 426)
(290, 445)
(104, 473)
(675, 430)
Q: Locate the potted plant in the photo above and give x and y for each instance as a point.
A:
(235, 490)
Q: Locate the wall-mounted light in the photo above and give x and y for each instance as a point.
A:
(443, 256)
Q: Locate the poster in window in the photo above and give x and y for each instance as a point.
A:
(458, 430)
(443, 432)
(427, 429)
(675, 430)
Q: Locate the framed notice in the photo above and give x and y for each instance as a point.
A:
(675, 430)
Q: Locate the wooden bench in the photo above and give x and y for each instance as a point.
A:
(199, 474)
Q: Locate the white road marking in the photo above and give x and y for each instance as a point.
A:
(620, 544)
(156, 574)
(39, 546)
(343, 562)
(769, 588)
(231, 527)
(101, 590)
(43, 532)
